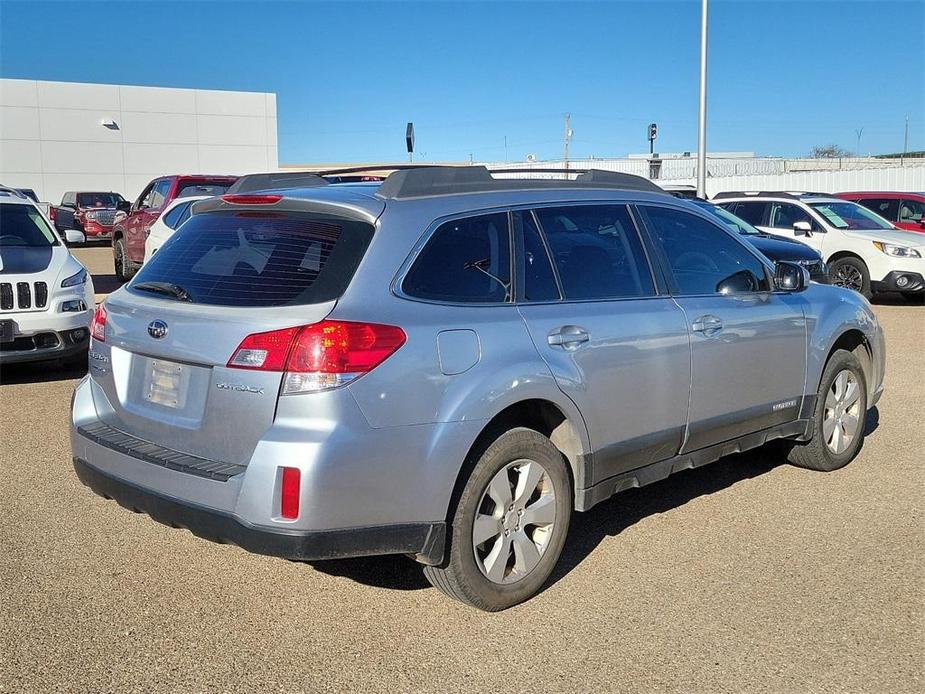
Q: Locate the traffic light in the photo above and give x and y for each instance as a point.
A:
(653, 131)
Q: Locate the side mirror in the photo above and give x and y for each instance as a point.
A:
(74, 236)
(123, 206)
(802, 228)
(790, 277)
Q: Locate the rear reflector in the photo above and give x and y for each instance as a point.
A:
(98, 327)
(252, 199)
(319, 356)
(289, 493)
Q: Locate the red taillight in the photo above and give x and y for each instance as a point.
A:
(252, 199)
(52, 212)
(98, 326)
(289, 493)
(338, 347)
(264, 351)
(325, 354)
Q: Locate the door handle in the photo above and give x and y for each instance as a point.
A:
(708, 325)
(568, 337)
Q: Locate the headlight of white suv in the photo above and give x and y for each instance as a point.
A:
(75, 280)
(897, 251)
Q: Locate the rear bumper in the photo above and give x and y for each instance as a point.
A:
(425, 540)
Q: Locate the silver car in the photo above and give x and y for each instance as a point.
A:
(448, 364)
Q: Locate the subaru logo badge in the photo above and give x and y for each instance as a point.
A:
(157, 329)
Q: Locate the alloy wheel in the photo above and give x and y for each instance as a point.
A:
(842, 417)
(848, 276)
(514, 521)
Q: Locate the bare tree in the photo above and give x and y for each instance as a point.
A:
(828, 152)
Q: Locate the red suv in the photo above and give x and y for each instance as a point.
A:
(904, 210)
(130, 230)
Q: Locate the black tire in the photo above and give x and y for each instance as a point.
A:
(460, 576)
(852, 273)
(124, 269)
(816, 453)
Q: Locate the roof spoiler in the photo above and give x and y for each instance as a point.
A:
(283, 180)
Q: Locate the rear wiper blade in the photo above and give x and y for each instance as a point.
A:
(166, 288)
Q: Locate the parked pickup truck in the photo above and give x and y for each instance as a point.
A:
(129, 232)
(84, 215)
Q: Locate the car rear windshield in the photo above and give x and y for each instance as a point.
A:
(186, 189)
(98, 199)
(251, 258)
(23, 225)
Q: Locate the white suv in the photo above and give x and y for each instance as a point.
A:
(46, 295)
(863, 251)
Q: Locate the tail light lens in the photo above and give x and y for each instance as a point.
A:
(289, 489)
(98, 326)
(52, 212)
(319, 356)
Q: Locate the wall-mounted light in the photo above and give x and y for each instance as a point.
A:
(109, 123)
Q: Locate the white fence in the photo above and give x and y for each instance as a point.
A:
(818, 175)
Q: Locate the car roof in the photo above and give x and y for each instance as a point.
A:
(11, 196)
(887, 195)
(771, 196)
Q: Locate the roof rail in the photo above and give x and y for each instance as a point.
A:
(793, 194)
(431, 181)
(250, 183)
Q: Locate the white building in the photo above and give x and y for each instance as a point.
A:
(58, 136)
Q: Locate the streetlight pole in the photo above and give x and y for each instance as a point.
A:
(702, 135)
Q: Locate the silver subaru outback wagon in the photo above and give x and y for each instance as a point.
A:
(448, 364)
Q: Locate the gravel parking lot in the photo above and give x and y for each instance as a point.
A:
(744, 575)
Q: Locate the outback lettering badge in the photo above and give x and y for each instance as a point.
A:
(239, 388)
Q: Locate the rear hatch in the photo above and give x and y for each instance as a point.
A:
(225, 275)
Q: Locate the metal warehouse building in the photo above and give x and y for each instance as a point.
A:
(58, 136)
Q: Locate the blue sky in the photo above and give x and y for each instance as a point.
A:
(784, 76)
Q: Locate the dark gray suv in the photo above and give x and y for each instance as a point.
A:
(448, 364)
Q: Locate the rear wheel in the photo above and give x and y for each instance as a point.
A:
(851, 273)
(125, 270)
(510, 523)
(838, 418)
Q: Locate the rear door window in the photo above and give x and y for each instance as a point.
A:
(465, 260)
(251, 258)
(539, 279)
(752, 212)
(597, 252)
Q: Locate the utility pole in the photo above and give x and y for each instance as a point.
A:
(857, 152)
(568, 138)
(902, 161)
(702, 135)
(505, 149)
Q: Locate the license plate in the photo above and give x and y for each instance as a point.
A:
(166, 383)
(6, 331)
